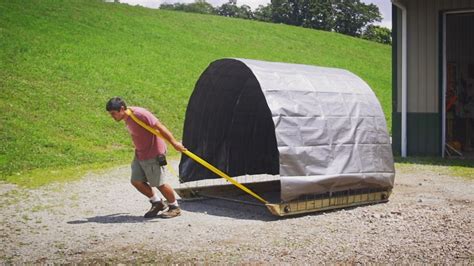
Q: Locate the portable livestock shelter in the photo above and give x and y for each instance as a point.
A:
(320, 131)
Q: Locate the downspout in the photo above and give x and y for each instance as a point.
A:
(404, 76)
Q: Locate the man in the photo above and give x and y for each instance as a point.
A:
(146, 168)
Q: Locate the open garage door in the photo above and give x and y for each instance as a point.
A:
(459, 84)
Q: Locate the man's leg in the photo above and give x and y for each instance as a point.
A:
(173, 207)
(167, 192)
(138, 180)
(153, 172)
(156, 204)
(143, 187)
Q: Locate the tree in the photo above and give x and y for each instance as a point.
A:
(352, 16)
(349, 17)
(230, 9)
(199, 6)
(176, 6)
(319, 15)
(378, 34)
(263, 13)
(245, 12)
(281, 10)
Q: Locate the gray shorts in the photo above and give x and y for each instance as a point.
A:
(147, 171)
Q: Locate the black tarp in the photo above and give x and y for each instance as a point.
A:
(229, 124)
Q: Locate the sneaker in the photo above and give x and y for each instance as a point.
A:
(156, 207)
(173, 211)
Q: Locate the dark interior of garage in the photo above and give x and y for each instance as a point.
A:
(460, 85)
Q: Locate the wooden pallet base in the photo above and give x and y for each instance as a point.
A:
(310, 204)
(329, 203)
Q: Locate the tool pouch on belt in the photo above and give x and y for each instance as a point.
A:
(161, 160)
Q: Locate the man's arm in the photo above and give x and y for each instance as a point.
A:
(169, 136)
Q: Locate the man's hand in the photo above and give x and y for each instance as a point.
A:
(179, 146)
(169, 137)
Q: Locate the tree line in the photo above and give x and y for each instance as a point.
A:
(350, 17)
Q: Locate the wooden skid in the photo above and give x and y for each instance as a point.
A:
(328, 203)
(296, 207)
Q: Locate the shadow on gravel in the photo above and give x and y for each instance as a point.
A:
(112, 219)
(225, 208)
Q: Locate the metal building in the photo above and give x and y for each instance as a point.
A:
(433, 77)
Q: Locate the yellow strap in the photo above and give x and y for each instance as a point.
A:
(197, 159)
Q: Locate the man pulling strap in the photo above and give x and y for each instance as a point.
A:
(147, 163)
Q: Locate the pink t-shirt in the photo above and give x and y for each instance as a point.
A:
(147, 145)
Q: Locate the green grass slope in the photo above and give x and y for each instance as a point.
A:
(60, 61)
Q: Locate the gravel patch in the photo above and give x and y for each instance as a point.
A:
(98, 219)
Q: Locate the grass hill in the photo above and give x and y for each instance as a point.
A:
(60, 61)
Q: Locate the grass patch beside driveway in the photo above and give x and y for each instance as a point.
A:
(454, 167)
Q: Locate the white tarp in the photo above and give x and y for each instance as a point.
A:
(330, 128)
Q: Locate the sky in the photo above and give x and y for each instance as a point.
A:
(385, 6)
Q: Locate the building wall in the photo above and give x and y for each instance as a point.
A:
(424, 74)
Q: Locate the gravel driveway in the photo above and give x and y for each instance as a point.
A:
(99, 219)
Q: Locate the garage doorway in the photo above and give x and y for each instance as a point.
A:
(458, 84)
